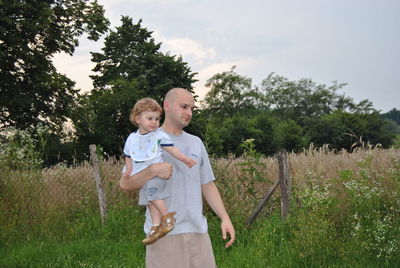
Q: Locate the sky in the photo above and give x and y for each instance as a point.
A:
(350, 41)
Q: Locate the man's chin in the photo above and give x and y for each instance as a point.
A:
(185, 123)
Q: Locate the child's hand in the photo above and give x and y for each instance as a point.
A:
(190, 162)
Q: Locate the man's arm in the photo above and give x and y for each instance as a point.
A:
(136, 181)
(213, 198)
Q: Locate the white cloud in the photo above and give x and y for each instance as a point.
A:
(191, 48)
(243, 66)
(188, 48)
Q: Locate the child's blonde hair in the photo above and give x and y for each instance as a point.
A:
(143, 105)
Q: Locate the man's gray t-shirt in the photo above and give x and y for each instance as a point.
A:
(184, 185)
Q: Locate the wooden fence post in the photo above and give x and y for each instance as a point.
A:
(284, 179)
(99, 184)
(260, 206)
(284, 182)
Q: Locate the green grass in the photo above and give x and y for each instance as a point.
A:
(298, 241)
(83, 242)
(301, 240)
(84, 252)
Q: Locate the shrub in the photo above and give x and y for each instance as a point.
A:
(18, 150)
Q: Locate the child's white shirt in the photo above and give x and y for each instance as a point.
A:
(145, 149)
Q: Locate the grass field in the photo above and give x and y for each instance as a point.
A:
(345, 212)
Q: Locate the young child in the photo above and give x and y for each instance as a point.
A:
(143, 148)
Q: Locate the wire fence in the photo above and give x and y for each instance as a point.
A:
(29, 194)
(31, 197)
(67, 185)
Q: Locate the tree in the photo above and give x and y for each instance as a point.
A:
(284, 114)
(289, 136)
(346, 130)
(31, 32)
(304, 98)
(229, 93)
(393, 114)
(130, 66)
(236, 129)
(266, 141)
(130, 53)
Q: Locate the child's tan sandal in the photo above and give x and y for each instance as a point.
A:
(153, 235)
(167, 224)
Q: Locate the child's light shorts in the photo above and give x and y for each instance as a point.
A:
(154, 189)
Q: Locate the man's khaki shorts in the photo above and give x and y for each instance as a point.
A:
(191, 250)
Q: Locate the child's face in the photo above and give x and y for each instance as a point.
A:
(148, 121)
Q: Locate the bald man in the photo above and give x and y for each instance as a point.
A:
(188, 245)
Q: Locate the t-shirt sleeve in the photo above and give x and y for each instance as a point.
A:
(206, 173)
(165, 139)
(126, 150)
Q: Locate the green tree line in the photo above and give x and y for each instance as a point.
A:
(279, 114)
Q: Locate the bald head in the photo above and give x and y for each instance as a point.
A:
(174, 93)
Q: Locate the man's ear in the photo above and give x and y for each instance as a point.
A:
(166, 105)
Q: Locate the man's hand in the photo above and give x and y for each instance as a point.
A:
(227, 228)
(136, 181)
(162, 170)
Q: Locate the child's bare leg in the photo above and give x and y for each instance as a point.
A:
(155, 214)
(160, 206)
(167, 219)
(156, 219)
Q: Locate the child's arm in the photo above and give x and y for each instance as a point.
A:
(128, 171)
(175, 152)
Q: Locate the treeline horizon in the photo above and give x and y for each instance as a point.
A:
(279, 114)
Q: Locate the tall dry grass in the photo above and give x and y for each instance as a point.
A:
(312, 166)
(75, 186)
(29, 197)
